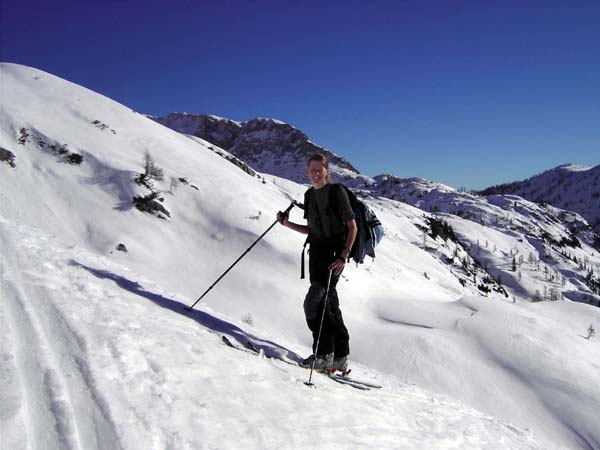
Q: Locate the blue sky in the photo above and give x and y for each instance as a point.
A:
(467, 93)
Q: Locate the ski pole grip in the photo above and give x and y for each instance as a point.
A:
(285, 214)
(289, 207)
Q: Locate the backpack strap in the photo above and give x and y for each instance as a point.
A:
(302, 260)
(307, 196)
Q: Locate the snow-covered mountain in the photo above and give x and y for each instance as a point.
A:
(569, 186)
(110, 224)
(277, 148)
(268, 145)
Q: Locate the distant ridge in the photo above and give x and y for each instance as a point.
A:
(568, 186)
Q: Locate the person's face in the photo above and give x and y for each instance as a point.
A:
(317, 173)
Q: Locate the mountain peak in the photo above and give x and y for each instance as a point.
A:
(269, 145)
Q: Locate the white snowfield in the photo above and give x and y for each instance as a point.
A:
(98, 351)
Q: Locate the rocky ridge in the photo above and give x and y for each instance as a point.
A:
(268, 145)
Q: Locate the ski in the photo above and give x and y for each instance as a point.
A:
(250, 348)
(343, 376)
(348, 382)
(348, 379)
(339, 377)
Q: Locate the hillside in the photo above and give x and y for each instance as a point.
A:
(99, 352)
(569, 186)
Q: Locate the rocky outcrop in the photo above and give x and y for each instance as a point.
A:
(7, 157)
(268, 145)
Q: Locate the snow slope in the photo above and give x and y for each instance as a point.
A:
(94, 359)
(98, 350)
(568, 186)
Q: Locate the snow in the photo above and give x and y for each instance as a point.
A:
(569, 186)
(222, 118)
(99, 352)
(99, 360)
(574, 167)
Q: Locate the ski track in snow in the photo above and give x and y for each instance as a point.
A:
(62, 407)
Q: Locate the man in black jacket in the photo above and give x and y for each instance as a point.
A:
(331, 230)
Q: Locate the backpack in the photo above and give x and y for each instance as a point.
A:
(369, 229)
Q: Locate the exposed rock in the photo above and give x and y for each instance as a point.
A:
(268, 145)
(7, 157)
(151, 204)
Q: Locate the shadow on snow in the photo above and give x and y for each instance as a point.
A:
(210, 322)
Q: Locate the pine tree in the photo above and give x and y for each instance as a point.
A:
(151, 170)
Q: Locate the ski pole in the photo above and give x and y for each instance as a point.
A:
(309, 383)
(238, 260)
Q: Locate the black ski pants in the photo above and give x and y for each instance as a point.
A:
(334, 335)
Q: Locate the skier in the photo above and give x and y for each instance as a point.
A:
(331, 230)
